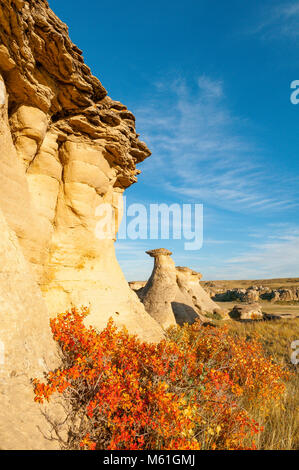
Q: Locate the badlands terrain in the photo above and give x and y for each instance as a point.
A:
(66, 149)
(266, 308)
(279, 297)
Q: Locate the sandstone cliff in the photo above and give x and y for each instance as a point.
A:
(73, 148)
(66, 148)
(26, 348)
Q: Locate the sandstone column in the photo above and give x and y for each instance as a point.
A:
(160, 290)
(174, 295)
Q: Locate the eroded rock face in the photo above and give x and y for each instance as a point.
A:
(251, 311)
(66, 149)
(173, 294)
(281, 295)
(77, 150)
(136, 285)
(190, 289)
(160, 290)
(26, 349)
(255, 294)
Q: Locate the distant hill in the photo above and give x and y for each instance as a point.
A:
(277, 283)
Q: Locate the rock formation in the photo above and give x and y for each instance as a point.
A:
(251, 311)
(136, 285)
(26, 348)
(190, 288)
(281, 295)
(74, 149)
(173, 295)
(254, 294)
(66, 151)
(160, 290)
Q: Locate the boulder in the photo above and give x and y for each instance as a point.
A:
(251, 311)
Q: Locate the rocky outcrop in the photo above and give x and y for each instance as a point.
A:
(242, 295)
(74, 151)
(254, 294)
(251, 311)
(281, 295)
(136, 285)
(251, 295)
(67, 152)
(190, 289)
(173, 294)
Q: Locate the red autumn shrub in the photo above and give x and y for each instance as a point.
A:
(185, 392)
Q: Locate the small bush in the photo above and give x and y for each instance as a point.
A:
(214, 316)
(186, 392)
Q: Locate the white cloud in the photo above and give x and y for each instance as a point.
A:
(210, 87)
(279, 20)
(276, 256)
(200, 152)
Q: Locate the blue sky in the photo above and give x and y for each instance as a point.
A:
(209, 84)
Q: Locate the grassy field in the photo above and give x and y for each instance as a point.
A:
(268, 307)
(282, 424)
(279, 283)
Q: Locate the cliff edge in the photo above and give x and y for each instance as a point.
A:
(66, 149)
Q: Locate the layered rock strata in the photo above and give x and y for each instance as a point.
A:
(74, 151)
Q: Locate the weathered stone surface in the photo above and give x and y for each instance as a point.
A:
(173, 294)
(74, 149)
(281, 295)
(251, 295)
(254, 294)
(26, 348)
(251, 311)
(160, 291)
(66, 149)
(190, 289)
(136, 285)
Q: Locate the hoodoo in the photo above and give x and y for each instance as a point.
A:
(173, 294)
(160, 290)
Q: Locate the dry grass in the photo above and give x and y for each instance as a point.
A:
(268, 307)
(279, 283)
(282, 423)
